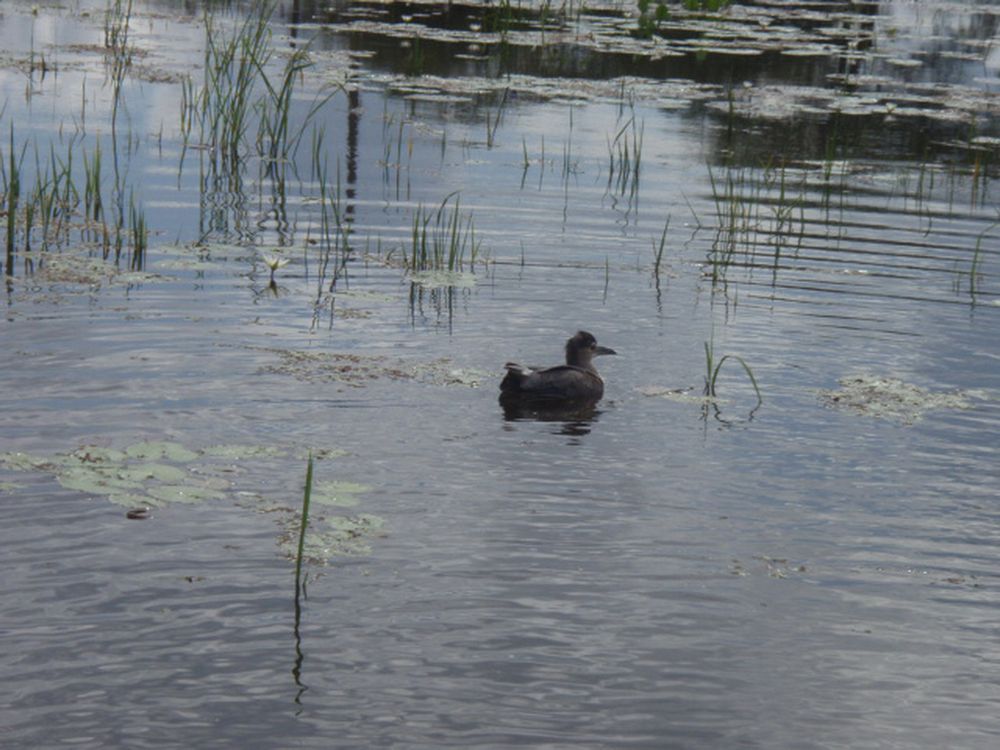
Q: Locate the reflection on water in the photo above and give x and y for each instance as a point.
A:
(656, 570)
(576, 417)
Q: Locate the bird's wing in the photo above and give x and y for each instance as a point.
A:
(558, 381)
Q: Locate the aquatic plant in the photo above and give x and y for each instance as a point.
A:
(273, 262)
(303, 525)
(440, 239)
(713, 367)
(658, 249)
(12, 192)
(977, 255)
(625, 157)
(92, 203)
(238, 93)
(650, 18)
(891, 398)
(118, 53)
(754, 209)
(140, 234)
(492, 123)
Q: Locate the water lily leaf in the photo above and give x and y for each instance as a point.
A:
(338, 493)
(160, 472)
(98, 455)
(355, 526)
(322, 453)
(19, 461)
(9, 486)
(184, 494)
(345, 536)
(129, 500)
(161, 449)
(94, 480)
(237, 452)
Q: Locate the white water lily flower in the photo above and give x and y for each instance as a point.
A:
(274, 262)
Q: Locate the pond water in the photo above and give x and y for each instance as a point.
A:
(803, 191)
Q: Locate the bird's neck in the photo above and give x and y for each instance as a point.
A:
(584, 363)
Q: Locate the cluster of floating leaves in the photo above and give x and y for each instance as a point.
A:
(358, 370)
(332, 535)
(143, 475)
(891, 398)
(154, 474)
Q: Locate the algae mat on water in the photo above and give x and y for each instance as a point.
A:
(894, 399)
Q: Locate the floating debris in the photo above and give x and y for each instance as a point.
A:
(80, 270)
(435, 279)
(359, 370)
(681, 395)
(891, 398)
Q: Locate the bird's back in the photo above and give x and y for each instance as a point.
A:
(562, 382)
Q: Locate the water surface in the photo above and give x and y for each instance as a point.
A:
(665, 572)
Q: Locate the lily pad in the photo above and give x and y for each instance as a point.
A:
(238, 452)
(94, 480)
(184, 493)
(130, 500)
(20, 461)
(97, 454)
(159, 472)
(159, 450)
(338, 493)
(339, 536)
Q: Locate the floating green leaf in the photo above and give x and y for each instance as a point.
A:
(19, 461)
(98, 454)
(237, 452)
(129, 500)
(94, 480)
(161, 449)
(184, 493)
(343, 536)
(338, 493)
(159, 472)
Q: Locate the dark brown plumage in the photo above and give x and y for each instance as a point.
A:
(577, 380)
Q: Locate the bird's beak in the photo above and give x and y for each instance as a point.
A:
(603, 350)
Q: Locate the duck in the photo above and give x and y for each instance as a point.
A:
(575, 381)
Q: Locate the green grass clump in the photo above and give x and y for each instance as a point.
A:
(442, 239)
